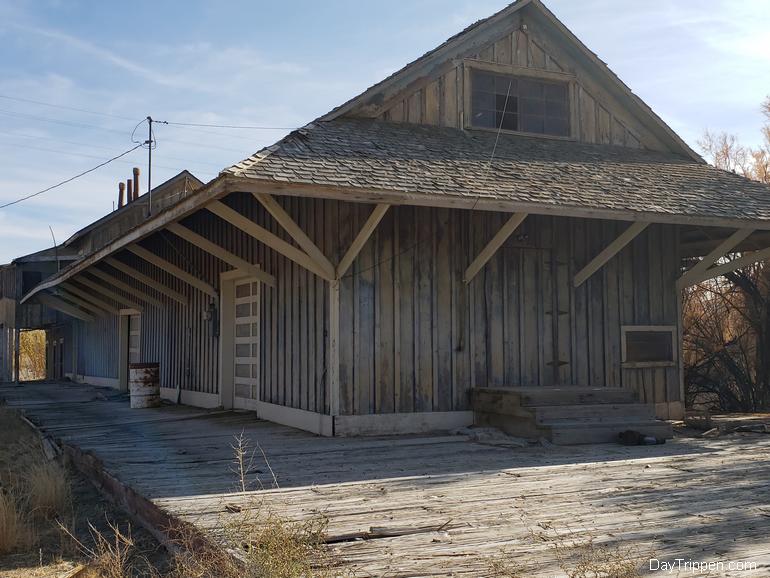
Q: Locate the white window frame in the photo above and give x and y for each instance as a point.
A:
(626, 329)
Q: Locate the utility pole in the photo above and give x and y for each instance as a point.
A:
(149, 143)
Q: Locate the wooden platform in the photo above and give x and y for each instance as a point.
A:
(466, 503)
(567, 415)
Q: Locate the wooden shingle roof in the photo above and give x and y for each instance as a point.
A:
(431, 163)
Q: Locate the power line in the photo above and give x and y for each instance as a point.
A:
(247, 127)
(69, 180)
(63, 107)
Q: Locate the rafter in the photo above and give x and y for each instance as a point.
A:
(221, 253)
(264, 236)
(149, 281)
(114, 282)
(609, 252)
(109, 293)
(89, 297)
(66, 295)
(491, 248)
(296, 232)
(363, 236)
(172, 269)
(64, 307)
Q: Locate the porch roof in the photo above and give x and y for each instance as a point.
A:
(439, 165)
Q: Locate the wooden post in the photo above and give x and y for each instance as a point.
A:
(16, 353)
(334, 349)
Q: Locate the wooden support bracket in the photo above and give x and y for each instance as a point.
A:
(609, 252)
(264, 236)
(221, 253)
(491, 248)
(697, 270)
(109, 293)
(363, 236)
(64, 307)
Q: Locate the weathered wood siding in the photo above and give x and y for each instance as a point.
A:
(294, 316)
(96, 346)
(600, 116)
(414, 337)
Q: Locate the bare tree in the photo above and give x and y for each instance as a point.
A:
(727, 320)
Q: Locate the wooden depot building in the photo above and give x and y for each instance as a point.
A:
(498, 233)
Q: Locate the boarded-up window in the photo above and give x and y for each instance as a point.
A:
(649, 345)
(519, 104)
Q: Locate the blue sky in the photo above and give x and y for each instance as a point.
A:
(699, 65)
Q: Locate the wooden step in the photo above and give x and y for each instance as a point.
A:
(543, 396)
(548, 414)
(579, 432)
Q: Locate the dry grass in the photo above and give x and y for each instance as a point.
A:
(15, 530)
(48, 490)
(113, 555)
(253, 542)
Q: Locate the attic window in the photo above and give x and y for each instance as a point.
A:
(648, 345)
(519, 104)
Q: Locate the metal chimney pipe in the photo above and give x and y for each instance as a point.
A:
(129, 190)
(136, 183)
(121, 194)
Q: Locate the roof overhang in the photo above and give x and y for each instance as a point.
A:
(226, 184)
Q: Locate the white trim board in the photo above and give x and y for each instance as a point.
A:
(310, 421)
(193, 398)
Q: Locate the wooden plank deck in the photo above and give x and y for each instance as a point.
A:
(698, 499)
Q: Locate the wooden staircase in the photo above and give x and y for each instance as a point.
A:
(566, 415)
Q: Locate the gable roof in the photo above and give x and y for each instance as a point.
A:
(438, 166)
(139, 205)
(479, 33)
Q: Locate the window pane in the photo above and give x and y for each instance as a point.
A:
(242, 370)
(528, 105)
(485, 119)
(534, 124)
(254, 329)
(243, 310)
(255, 371)
(483, 82)
(242, 329)
(557, 126)
(483, 100)
(242, 350)
(254, 308)
(532, 106)
(242, 290)
(254, 350)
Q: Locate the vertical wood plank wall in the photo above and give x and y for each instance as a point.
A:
(413, 336)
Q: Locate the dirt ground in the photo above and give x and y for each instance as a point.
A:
(52, 553)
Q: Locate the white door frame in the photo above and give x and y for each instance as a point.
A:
(227, 281)
(123, 337)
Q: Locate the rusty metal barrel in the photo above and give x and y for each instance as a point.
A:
(144, 384)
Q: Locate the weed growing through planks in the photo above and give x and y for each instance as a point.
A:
(243, 465)
(586, 557)
(251, 541)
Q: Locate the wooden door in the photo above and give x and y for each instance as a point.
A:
(246, 342)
